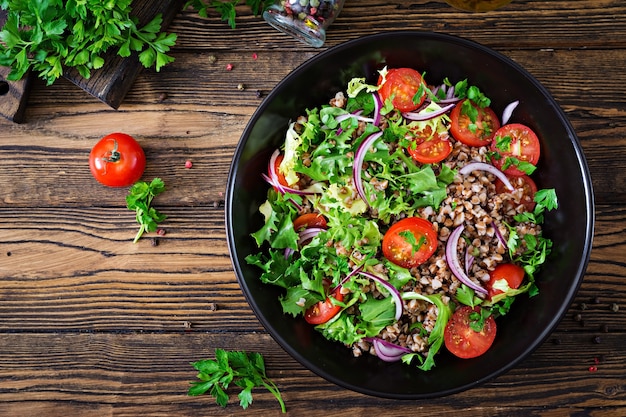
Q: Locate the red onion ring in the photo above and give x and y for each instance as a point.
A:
(481, 166)
(308, 234)
(499, 235)
(357, 166)
(387, 351)
(452, 258)
(272, 179)
(508, 111)
(395, 294)
(422, 116)
(378, 104)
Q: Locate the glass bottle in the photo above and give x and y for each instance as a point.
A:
(477, 5)
(305, 20)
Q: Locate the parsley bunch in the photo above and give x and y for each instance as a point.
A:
(139, 199)
(246, 370)
(50, 36)
(227, 8)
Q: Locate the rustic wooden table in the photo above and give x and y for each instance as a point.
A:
(94, 325)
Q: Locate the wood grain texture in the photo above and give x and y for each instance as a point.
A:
(94, 325)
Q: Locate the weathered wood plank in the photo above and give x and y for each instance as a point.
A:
(119, 370)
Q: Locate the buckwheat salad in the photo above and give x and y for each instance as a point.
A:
(402, 217)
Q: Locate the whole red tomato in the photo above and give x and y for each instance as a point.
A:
(117, 160)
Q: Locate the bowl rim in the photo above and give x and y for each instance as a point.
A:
(586, 182)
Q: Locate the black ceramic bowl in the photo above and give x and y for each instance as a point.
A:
(562, 166)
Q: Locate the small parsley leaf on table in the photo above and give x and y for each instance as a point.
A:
(140, 199)
(245, 370)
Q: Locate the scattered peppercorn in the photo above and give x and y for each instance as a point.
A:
(596, 300)
(578, 317)
(229, 67)
(8, 253)
(605, 328)
(259, 94)
(162, 97)
(212, 59)
(212, 307)
(614, 307)
(597, 340)
(160, 232)
(254, 55)
(583, 306)
(188, 164)
(154, 241)
(241, 86)
(593, 368)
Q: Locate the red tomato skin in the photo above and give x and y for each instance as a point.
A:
(462, 341)
(117, 160)
(397, 250)
(307, 220)
(524, 182)
(323, 311)
(431, 151)
(513, 274)
(403, 84)
(281, 178)
(524, 146)
(459, 125)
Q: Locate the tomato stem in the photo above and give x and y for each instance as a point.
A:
(114, 155)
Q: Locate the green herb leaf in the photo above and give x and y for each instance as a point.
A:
(245, 370)
(139, 199)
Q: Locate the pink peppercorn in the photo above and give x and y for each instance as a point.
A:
(254, 55)
(593, 368)
(188, 164)
(229, 67)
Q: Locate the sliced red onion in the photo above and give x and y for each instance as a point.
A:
(508, 111)
(288, 252)
(449, 100)
(308, 234)
(452, 258)
(347, 277)
(395, 294)
(357, 166)
(387, 351)
(422, 116)
(356, 115)
(273, 178)
(499, 235)
(469, 259)
(450, 92)
(481, 166)
(378, 104)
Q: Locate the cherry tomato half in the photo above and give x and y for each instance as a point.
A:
(528, 186)
(117, 160)
(511, 273)
(515, 141)
(281, 178)
(307, 220)
(410, 242)
(431, 151)
(463, 341)
(323, 311)
(477, 133)
(405, 87)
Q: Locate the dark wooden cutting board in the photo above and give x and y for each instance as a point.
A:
(108, 84)
(12, 93)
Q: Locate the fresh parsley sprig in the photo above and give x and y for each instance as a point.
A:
(139, 199)
(50, 36)
(245, 370)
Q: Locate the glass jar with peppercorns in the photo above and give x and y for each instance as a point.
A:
(305, 20)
